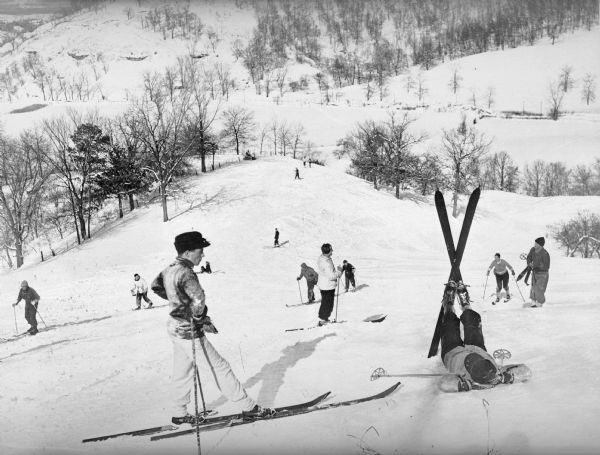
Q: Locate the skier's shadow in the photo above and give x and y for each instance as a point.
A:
(272, 373)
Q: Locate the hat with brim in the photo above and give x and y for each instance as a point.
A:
(190, 241)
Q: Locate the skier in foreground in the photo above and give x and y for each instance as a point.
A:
(328, 279)
(31, 302)
(500, 267)
(180, 286)
(468, 361)
(311, 280)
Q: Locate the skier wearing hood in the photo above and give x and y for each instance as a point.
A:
(311, 280)
(31, 303)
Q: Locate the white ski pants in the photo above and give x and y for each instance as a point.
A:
(208, 360)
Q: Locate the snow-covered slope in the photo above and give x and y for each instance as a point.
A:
(101, 368)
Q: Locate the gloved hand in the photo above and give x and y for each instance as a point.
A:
(14, 304)
(298, 279)
(204, 323)
(513, 273)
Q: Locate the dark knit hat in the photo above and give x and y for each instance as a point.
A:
(190, 241)
(481, 370)
(24, 284)
(540, 241)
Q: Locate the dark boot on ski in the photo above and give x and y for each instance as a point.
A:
(258, 412)
(188, 418)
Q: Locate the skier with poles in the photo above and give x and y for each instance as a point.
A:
(311, 280)
(538, 260)
(327, 282)
(187, 325)
(31, 299)
(349, 270)
(500, 267)
(469, 363)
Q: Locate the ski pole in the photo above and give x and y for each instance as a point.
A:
(381, 373)
(299, 291)
(41, 318)
(201, 393)
(337, 299)
(485, 287)
(518, 289)
(16, 326)
(196, 379)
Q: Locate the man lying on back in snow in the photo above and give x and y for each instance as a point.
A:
(469, 363)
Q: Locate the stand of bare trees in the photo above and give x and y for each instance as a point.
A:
(580, 234)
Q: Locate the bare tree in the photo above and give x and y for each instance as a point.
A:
(582, 181)
(534, 177)
(456, 79)
(422, 89)
(238, 126)
(490, 94)
(297, 134)
(285, 137)
(555, 98)
(280, 78)
(274, 131)
(500, 172)
(588, 90)
(566, 80)
(463, 147)
(23, 173)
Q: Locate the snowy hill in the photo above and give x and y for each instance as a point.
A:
(104, 39)
(101, 368)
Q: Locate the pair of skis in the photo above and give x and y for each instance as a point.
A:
(233, 420)
(455, 254)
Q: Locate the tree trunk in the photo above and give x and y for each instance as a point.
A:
(203, 162)
(19, 251)
(131, 203)
(120, 205)
(163, 198)
(8, 258)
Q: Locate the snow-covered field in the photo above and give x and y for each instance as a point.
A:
(100, 368)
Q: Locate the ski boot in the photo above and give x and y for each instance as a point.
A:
(258, 412)
(188, 418)
(463, 294)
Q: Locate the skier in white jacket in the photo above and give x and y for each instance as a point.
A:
(328, 279)
(139, 289)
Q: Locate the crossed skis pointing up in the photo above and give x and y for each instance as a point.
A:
(454, 254)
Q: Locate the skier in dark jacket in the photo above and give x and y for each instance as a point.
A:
(349, 270)
(276, 242)
(311, 280)
(180, 286)
(538, 260)
(205, 268)
(297, 175)
(31, 303)
(469, 363)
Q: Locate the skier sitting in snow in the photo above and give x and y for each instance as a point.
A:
(349, 270)
(180, 286)
(500, 267)
(31, 303)
(311, 280)
(468, 361)
(139, 289)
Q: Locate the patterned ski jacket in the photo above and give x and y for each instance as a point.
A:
(328, 275)
(500, 267)
(179, 284)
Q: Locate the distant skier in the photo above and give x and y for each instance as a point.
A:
(180, 286)
(349, 270)
(276, 242)
(469, 363)
(205, 268)
(500, 267)
(311, 280)
(328, 279)
(297, 176)
(139, 289)
(31, 303)
(538, 260)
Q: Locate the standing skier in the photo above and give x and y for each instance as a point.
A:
(276, 242)
(468, 361)
(297, 175)
(328, 279)
(539, 261)
(180, 286)
(311, 280)
(349, 270)
(139, 289)
(500, 267)
(31, 303)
